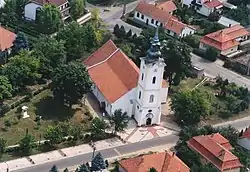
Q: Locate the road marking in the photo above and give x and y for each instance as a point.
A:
(117, 152)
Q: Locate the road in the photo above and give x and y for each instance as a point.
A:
(107, 153)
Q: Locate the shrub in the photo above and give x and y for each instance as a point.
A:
(7, 123)
(4, 109)
(15, 121)
(211, 54)
(129, 34)
(199, 52)
(116, 29)
(4, 129)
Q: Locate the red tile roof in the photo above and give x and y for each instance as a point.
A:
(175, 26)
(225, 38)
(211, 148)
(162, 162)
(246, 134)
(53, 2)
(153, 12)
(213, 3)
(168, 6)
(6, 39)
(122, 73)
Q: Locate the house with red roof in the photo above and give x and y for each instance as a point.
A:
(160, 15)
(33, 6)
(244, 140)
(120, 84)
(162, 162)
(225, 41)
(215, 149)
(6, 42)
(204, 7)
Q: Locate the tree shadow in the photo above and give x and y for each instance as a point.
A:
(51, 109)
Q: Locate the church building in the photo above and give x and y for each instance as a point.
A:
(119, 84)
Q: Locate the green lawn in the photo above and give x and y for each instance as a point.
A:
(40, 105)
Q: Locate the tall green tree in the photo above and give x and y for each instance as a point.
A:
(82, 168)
(9, 11)
(98, 164)
(20, 43)
(75, 40)
(2, 147)
(178, 60)
(26, 144)
(52, 54)
(5, 88)
(77, 8)
(54, 135)
(70, 82)
(49, 19)
(240, 14)
(98, 127)
(190, 106)
(152, 169)
(119, 121)
(54, 169)
(22, 69)
(66, 170)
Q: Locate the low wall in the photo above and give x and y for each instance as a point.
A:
(84, 18)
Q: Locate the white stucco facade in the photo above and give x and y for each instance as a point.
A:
(187, 31)
(204, 10)
(147, 20)
(148, 98)
(186, 3)
(30, 10)
(2, 3)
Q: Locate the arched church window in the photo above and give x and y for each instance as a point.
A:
(154, 79)
(151, 99)
(142, 76)
(139, 95)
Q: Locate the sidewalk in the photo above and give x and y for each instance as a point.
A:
(56, 155)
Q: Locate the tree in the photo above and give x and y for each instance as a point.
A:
(74, 37)
(240, 14)
(98, 127)
(22, 69)
(230, 133)
(5, 88)
(178, 61)
(129, 34)
(52, 54)
(66, 170)
(231, 103)
(49, 19)
(76, 131)
(94, 36)
(190, 106)
(54, 169)
(77, 8)
(54, 135)
(119, 121)
(83, 168)
(211, 54)
(152, 169)
(26, 144)
(95, 16)
(70, 82)
(98, 163)
(9, 11)
(116, 29)
(2, 147)
(121, 33)
(20, 43)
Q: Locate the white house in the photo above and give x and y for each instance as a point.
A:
(152, 16)
(204, 7)
(31, 8)
(227, 22)
(120, 84)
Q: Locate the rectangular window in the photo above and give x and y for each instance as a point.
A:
(156, 23)
(142, 16)
(152, 21)
(139, 95)
(142, 76)
(138, 14)
(154, 79)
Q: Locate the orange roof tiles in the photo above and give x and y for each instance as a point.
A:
(53, 2)
(210, 148)
(225, 38)
(175, 26)
(168, 6)
(153, 11)
(6, 39)
(213, 3)
(162, 162)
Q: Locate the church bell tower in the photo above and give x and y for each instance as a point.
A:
(148, 95)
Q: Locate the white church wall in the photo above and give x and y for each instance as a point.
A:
(164, 95)
(99, 96)
(125, 102)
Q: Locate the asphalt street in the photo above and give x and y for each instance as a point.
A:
(107, 153)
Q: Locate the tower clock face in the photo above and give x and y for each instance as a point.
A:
(149, 115)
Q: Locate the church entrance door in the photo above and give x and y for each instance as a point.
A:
(149, 121)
